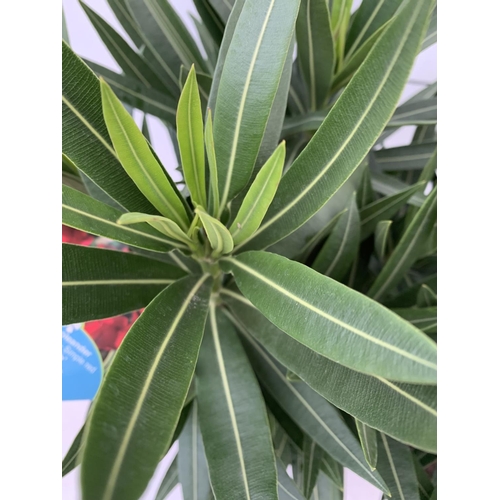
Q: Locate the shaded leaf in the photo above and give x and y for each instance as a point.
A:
(170, 480)
(412, 157)
(382, 235)
(368, 440)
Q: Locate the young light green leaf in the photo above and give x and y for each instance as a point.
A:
(340, 24)
(193, 469)
(220, 238)
(213, 199)
(161, 224)
(138, 160)
(170, 480)
(373, 400)
(408, 250)
(412, 157)
(315, 50)
(424, 318)
(129, 61)
(350, 130)
(259, 197)
(368, 440)
(382, 235)
(100, 283)
(315, 416)
(91, 216)
(339, 250)
(233, 418)
(85, 139)
(385, 208)
(190, 137)
(329, 318)
(247, 88)
(426, 297)
(395, 464)
(134, 93)
(143, 415)
(339, 10)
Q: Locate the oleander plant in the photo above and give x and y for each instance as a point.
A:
(288, 279)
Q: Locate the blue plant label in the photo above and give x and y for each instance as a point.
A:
(81, 364)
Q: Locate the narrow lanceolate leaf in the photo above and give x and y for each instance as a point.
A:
(74, 455)
(326, 489)
(123, 14)
(85, 139)
(287, 489)
(86, 214)
(193, 470)
(233, 418)
(210, 20)
(212, 165)
(162, 224)
(414, 113)
(385, 208)
(431, 35)
(190, 137)
(350, 129)
(159, 353)
(313, 455)
(259, 197)
(129, 61)
(223, 8)
(367, 20)
(412, 157)
(247, 88)
(218, 235)
(333, 470)
(395, 464)
(315, 416)
(134, 93)
(330, 318)
(138, 161)
(382, 235)
(315, 50)
(375, 401)
(169, 482)
(368, 439)
(100, 283)
(424, 318)
(339, 250)
(426, 297)
(389, 185)
(425, 485)
(408, 250)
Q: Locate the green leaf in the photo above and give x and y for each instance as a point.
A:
(74, 455)
(193, 469)
(431, 35)
(326, 489)
(170, 480)
(412, 157)
(122, 12)
(389, 185)
(223, 8)
(137, 95)
(65, 35)
(334, 471)
(408, 250)
(220, 238)
(315, 50)
(395, 464)
(161, 224)
(339, 250)
(259, 197)
(91, 216)
(385, 208)
(426, 297)
(414, 113)
(425, 485)
(100, 283)
(190, 137)
(204, 84)
(211, 20)
(368, 439)
(368, 19)
(330, 318)
(287, 489)
(248, 85)
(350, 129)
(175, 31)
(233, 418)
(134, 422)
(317, 418)
(382, 235)
(212, 165)
(129, 61)
(313, 455)
(424, 318)
(407, 412)
(138, 160)
(85, 139)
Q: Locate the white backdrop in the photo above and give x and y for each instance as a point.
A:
(86, 43)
